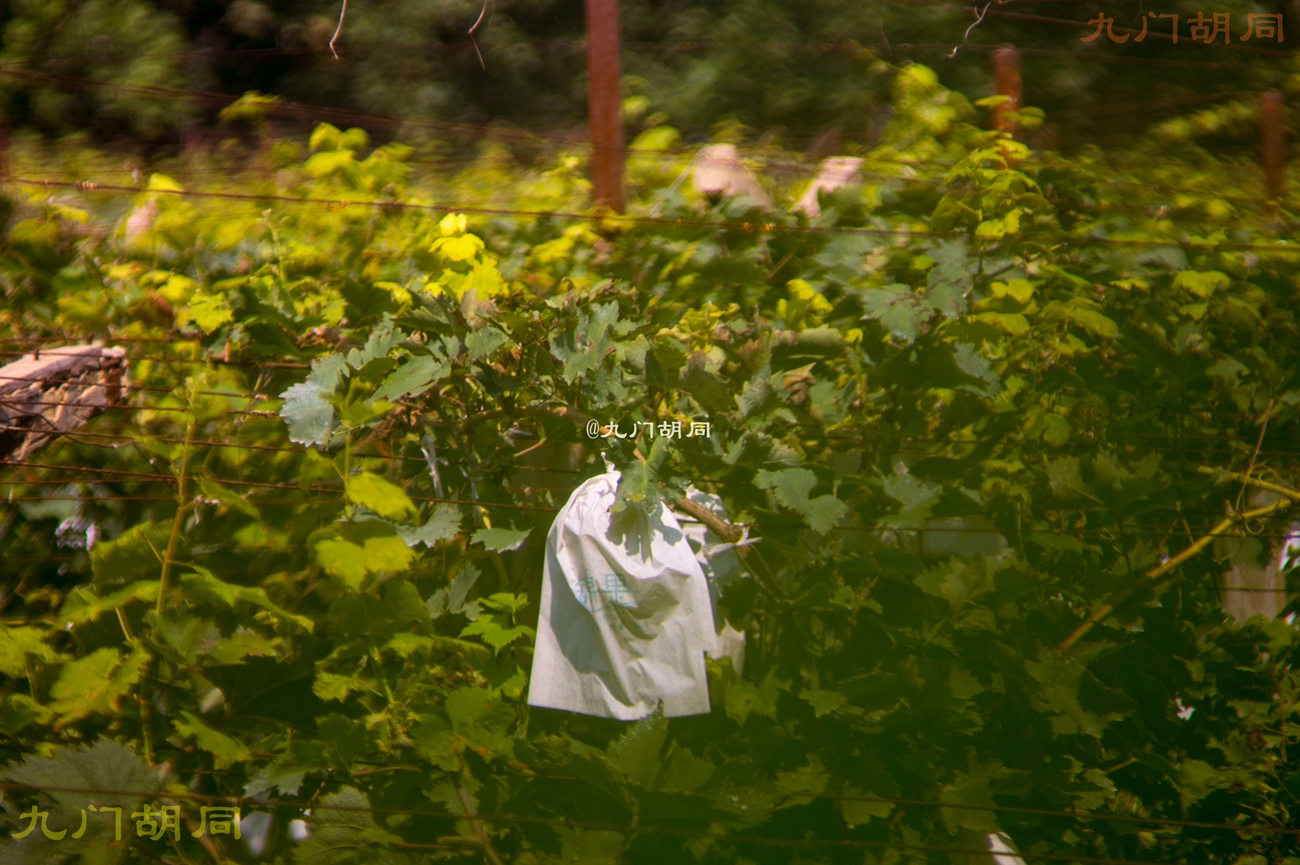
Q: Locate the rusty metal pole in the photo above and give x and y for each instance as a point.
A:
(1273, 114)
(604, 102)
(1006, 72)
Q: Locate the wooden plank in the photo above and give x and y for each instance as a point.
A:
(45, 365)
(605, 101)
(47, 393)
(1006, 72)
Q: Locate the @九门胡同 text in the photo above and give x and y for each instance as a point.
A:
(627, 429)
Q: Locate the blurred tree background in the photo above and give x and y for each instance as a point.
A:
(793, 71)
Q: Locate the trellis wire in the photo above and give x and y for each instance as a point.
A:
(755, 227)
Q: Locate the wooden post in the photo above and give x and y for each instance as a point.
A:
(1006, 72)
(1273, 114)
(604, 102)
(47, 393)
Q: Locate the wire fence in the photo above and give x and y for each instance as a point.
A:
(757, 226)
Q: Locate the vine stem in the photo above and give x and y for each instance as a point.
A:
(178, 523)
(1259, 442)
(1155, 575)
(489, 852)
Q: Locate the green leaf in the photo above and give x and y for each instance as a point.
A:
(1198, 779)
(637, 752)
(744, 699)
(308, 415)
(332, 686)
(684, 772)
(133, 555)
(213, 490)
(972, 791)
(343, 559)
(350, 562)
(243, 644)
(824, 702)
(461, 248)
(481, 344)
(225, 751)
(501, 540)
(349, 740)
(1021, 290)
(466, 706)
(1093, 321)
(857, 812)
(453, 597)
(1064, 477)
(19, 642)
(96, 684)
(344, 833)
(1202, 284)
(709, 391)
(381, 496)
(812, 777)
(1012, 322)
(327, 372)
(963, 685)
(582, 347)
(663, 365)
(495, 634)
(899, 309)
(506, 602)
(791, 488)
(145, 591)
(443, 525)
(995, 229)
(412, 378)
(406, 645)
(383, 339)
(956, 582)
(1058, 695)
(210, 311)
(105, 764)
(1056, 429)
(480, 720)
(202, 586)
(397, 607)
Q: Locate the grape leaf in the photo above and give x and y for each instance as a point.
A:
(95, 684)
(443, 525)
(344, 833)
(501, 540)
(19, 642)
(791, 488)
(308, 415)
(379, 495)
(203, 586)
(225, 751)
(482, 343)
(412, 378)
